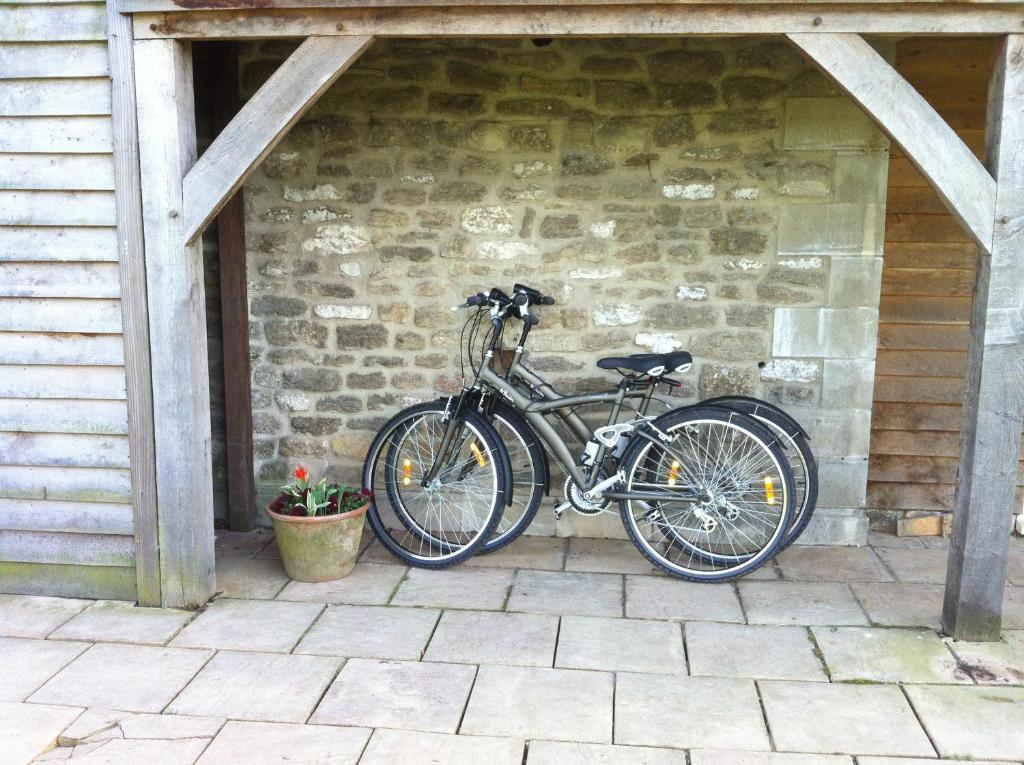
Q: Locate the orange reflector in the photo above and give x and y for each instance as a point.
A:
(769, 489)
(480, 459)
(673, 472)
(406, 472)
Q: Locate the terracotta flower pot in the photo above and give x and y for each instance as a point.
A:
(320, 548)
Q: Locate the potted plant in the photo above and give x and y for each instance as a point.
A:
(318, 526)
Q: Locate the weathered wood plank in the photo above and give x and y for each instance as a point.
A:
(888, 415)
(177, 325)
(892, 18)
(59, 382)
(61, 483)
(66, 517)
(150, 6)
(57, 208)
(930, 255)
(922, 337)
(897, 468)
(52, 23)
(924, 282)
(134, 306)
(110, 582)
(55, 135)
(910, 496)
(994, 403)
(55, 98)
(60, 315)
(63, 416)
(262, 122)
(952, 310)
(31, 60)
(56, 243)
(63, 450)
(908, 442)
(64, 172)
(71, 280)
(935, 390)
(921, 363)
(961, 180)
(911, 227)
(66, 549)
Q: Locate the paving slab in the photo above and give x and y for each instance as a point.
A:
(901, 605)
(572, 753)
(541, 703)
(116, 621)
(34, 616)
(916, 761)
(99, 724)
(724, 757)
(811, 603)
(397, 694)
(117, 751)
(689, 712)
(372, 632)
(257, 578)
(26, 664)
(1013, 608)
(657, 597)
(620, 645)
(542, 553)
(265, 687)
(999, 663)
(761, 652)
(375, 552)
(891, 655)
(249, 625)
(607, 556)
(241, 544)
(972, 722)
(488, 637)
(388, 747)
(266, 743)
(564, 592)
(835, 717)
(466, 588)
(832, 564)
(1015, 565)
(31, 729)
(878, 539)
(134, 678)
(919, 566)
(367, 585)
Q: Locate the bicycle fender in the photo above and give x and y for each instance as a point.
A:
(749, 405)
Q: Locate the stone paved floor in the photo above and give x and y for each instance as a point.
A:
(552, 652)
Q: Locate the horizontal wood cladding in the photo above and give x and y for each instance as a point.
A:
(60, 315)
(57, 208)
(106, 518)
(55, 97)
(58, 243)
(54, 135)
(61, 348)
(69, 581)
(49, 59)
(109, 417)
(63, 483)
(53, 22)
(84, 382)
(57, 172)
(63, 450)
(60, 548)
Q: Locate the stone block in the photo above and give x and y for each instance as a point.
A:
(455, 588)
(847, 383)
(832, 563)
(368, 584)
(609, 644)
(838, 228)
(808, 603)
(861, 175)
(485, 637)
(249, 625)
(854, 282)
(756, 651)
(561, 592)
(825, 332)
(370, 632)
(263, 743)
(836, 526)
(830, 123)
(842, 483)
(658, 597)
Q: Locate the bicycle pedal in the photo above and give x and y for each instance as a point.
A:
(560, 510)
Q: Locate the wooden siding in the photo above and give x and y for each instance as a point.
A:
(66, 521)
(927, 282)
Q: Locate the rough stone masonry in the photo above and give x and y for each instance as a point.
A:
(713, 195)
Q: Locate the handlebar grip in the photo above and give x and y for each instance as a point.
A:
(477, 299)
(544, 300)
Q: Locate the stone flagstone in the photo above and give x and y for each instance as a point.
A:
(249, 625)
(241, 544)
(98, 724)
(372, 632)
(561, 592)
(723, 757)
(920, 566)
(826, 603)
(902, 605)
(968, 723)
(27, 664)
(397, 694)
(832, 564)
(28, 730)
(131, 677)
(538, 703)
(257, 686)
(369, 584)
(916, 761)
(264, 743)
(761, 652)
(610, 556)
(689, 712)
(571, 753)
(115, 751)
(390, 747)
(999, 663)
(486, 637)
(466, 588)
(829, 718)
(656, 597)
(620, 645)
(544, 553)
(33, 616)
(115, 621)
(888, 655)
(258, 578)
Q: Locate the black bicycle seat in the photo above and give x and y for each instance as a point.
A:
(653, 364)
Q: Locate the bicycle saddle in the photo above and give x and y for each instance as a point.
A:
(653, 364)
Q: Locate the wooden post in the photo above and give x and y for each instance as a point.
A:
(995, 378)
(234, 306)
(174, 271)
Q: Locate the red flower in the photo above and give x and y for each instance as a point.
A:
(301, 473)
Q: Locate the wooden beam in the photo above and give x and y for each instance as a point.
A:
(262, 122)
(134, 307)
(593, 21)
(994, 405)
(177, 324)
(934, 148)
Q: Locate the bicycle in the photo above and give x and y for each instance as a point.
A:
(705, 492)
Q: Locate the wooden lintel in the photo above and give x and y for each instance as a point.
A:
(261, 123)
(935, 149)
(590, 21)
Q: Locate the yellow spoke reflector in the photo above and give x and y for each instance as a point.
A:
(769, 489)
(673, 472)
(481, 460)
(406, 472)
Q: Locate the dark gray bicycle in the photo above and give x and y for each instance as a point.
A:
(705, 492)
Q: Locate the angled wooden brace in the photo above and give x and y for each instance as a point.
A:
(261, 123)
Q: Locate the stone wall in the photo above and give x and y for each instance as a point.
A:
(717, 196)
